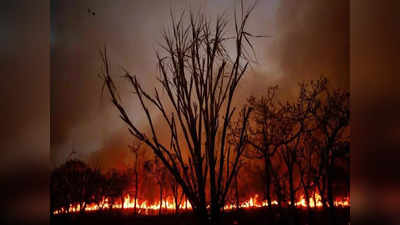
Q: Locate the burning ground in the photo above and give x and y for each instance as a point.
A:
(287, 148)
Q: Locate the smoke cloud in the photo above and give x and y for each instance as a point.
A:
(307, 39)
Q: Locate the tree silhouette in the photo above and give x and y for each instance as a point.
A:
(199, 78)
(138, 152)
(73, 183)
(264, 134)
(176, 192)
(331, 112)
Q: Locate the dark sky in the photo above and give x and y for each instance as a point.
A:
(308, 39)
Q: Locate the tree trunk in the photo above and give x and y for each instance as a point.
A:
(307, 196)
(136, 193)
(292, 208)
(332, 211)
(161, 198)
(201, 215)
(291, 187)
(176, 200)
(267, 180)
(136, 184)
(82, 207)
(237, 192)
(215, 215)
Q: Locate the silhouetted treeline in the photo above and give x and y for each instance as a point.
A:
(296, 149)
(303, 145)
(74, 183)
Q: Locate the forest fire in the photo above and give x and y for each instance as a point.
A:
(147, 208)
(128, 204)
(199, 148)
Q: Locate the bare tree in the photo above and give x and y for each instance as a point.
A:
(159, 174)
(331, 113)
(73, 184)
(177, 193)
(136, 150)
(264, 135)
(308, 170)
(237, 191)
(279, 181)
(199, 78)
(305, 165)
(116, 184)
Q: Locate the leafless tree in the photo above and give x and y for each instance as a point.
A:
(331, 113)
(136, 150)
(264, 132)
(283, 129)
(306, 164)
(279, 181)
(199, 78)
(116, 184)
(293, 124)
(159, 174)
(177, 193)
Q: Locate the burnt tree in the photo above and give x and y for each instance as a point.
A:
(199, 78)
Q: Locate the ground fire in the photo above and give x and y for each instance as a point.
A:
(204, 147)
(169, 205)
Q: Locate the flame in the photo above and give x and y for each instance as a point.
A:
(147, 208)
(252, 202)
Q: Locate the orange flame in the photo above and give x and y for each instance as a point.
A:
(169, 204)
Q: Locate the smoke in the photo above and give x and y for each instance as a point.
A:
(311, 39)
(82, 118)
(307, 39)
